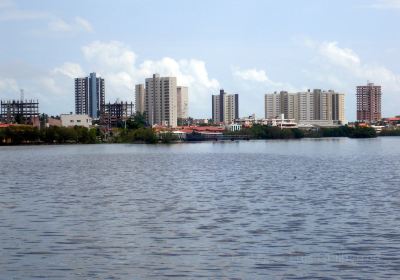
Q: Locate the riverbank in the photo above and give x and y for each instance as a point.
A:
(28, 135)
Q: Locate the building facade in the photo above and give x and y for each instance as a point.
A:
(139, 98)
(89, 96)
(182, 102)
(369, 103)
(225, 107)
(68, 120)
(161, 101)
(306, 107)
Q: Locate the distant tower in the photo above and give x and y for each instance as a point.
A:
(89, 96)
(22, 96)
(369, 103)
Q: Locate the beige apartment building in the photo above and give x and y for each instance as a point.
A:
(225, 107)
(182, 102)
(161, 101)
(306, 107)
(139, 98)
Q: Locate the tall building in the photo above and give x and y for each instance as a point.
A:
(308, 106)
(182, 102)
(139, 98)
(369, 103)
(225, 107)
(89, 96)
(160, 101)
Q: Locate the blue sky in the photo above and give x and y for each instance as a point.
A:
(246, 47)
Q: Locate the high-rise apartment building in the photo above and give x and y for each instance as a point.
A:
(306, 106)
(160, 101)
(139, 98)
(369, 103)
(225, 107)
(182, 102)
(89, 96)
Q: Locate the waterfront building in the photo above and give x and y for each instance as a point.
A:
(160, 101)
(306, 107)
(369, 103)
(116, 113)
(182, 102)
(19, 111)
(139, 98)
(89, 96)
(68, 120)
(225, 107)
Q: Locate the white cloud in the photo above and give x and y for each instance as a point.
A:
(117, 63)
(71, 70)
(10, 12)
(339, 65)
(252, 75)
(386, 4)
(77, 25)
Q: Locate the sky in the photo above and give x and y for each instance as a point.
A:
(247, 47)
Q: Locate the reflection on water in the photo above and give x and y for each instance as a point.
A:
(245, 210)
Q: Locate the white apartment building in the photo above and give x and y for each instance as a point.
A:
(306, 107)
(139, 98)
(182, 102)
(68, 120)
(161, 101)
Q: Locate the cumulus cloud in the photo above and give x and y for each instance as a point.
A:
(77, 25)
(252, 75)
(71, 70)
(260, 76)
(342, 64)
(117, 63)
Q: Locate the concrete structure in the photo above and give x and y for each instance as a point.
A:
(160, 101)
(309, 106)
(225, 107)
(89, 96)
(369, 103)
(140, 98)
(116, 113)
(20, 111)
(234, 127)
(182, 100)
(74, 119)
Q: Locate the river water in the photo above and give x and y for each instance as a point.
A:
(298, 209)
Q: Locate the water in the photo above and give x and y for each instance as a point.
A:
(236, 210)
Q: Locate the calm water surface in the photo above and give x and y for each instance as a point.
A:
(304, 209)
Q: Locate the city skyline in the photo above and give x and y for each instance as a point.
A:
(247, 57)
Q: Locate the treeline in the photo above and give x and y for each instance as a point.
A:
(15, 135)
(347, 131)
(273, 132)
(390, 132)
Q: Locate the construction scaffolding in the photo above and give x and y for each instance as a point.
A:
(114, 114)
(19, 111)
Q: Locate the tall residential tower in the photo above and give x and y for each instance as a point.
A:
(89, 96)
(161, 101)
(369, 103)
(182, 102)
(225, 107)
(139, 98)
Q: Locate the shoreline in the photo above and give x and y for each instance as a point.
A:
(189, 142)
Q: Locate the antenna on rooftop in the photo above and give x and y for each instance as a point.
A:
(22, 94)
